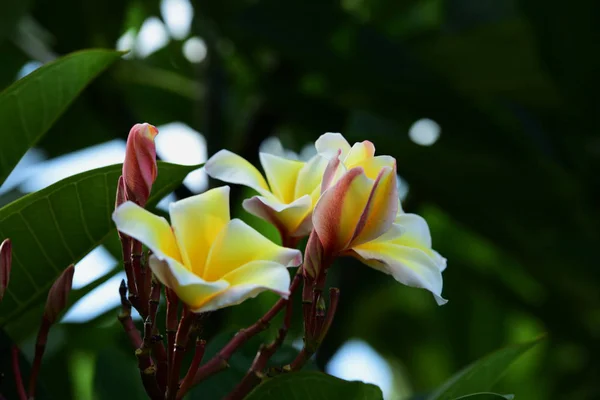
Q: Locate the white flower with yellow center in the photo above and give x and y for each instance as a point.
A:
(209, 260)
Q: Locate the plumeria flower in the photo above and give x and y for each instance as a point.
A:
(405, 253)
(285, 198)
(209, 261)
(359, 214)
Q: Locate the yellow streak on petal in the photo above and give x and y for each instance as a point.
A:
(282, 175)
(196, 222)
(381, 209)
(285, 217)
(229, 167)
(374, 165)
(248, 281)
(190, 288)
(151, 230)
(310, 176)
(238, 244)
(359, 153)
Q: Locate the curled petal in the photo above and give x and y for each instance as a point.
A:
(339, 209)
(151, 230)
(333, 171)
(329, 143)
(281, 175)
(5, 265)
(380, 211)
(139, 168)
(189, 287)
(409, 266)
(374, 165)
(196, 223)
(238, 244)
(229, 167)
(290, 219)
(358, 153)
(248, 281)
(310, 176)
(416, 230)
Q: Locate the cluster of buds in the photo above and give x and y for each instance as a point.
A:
(55, 304)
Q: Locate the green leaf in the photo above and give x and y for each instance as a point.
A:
(60, 224)
(312, 386)
(30, 106)
(482, 374)
(486, 396)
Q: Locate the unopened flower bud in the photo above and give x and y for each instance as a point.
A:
(139, 168)
(58, 295)
(5, 264)
(121, 192)
(313, 256)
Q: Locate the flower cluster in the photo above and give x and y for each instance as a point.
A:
(344, 199)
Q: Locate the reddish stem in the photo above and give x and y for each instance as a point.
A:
(17, 372)
(220, 361)
(40, 347)
(157, 343)
(334, 298)
(171, 324)
(312, 343)
(189, 377)
(254, 375)
(181, 339)
(142, 291)
(125, 318)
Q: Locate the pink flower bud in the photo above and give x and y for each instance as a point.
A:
(58, 294)
(121, 192)
(5, 263)
(139, 168)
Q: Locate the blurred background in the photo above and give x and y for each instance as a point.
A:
(490, 107)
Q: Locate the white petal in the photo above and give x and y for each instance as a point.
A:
(329, 143)
(152, 230)
(229, 167)
(409, 266)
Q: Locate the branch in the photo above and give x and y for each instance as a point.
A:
(186, 383)
(181, 339)
(255, 375)
(220, 361)
(125, 318)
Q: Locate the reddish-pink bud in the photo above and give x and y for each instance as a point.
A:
(58, 295)
(313, 256)
(139, 168)
(121, 192)
(5, 264)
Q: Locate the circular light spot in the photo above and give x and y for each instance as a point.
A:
(424, 132)
(194, 49)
